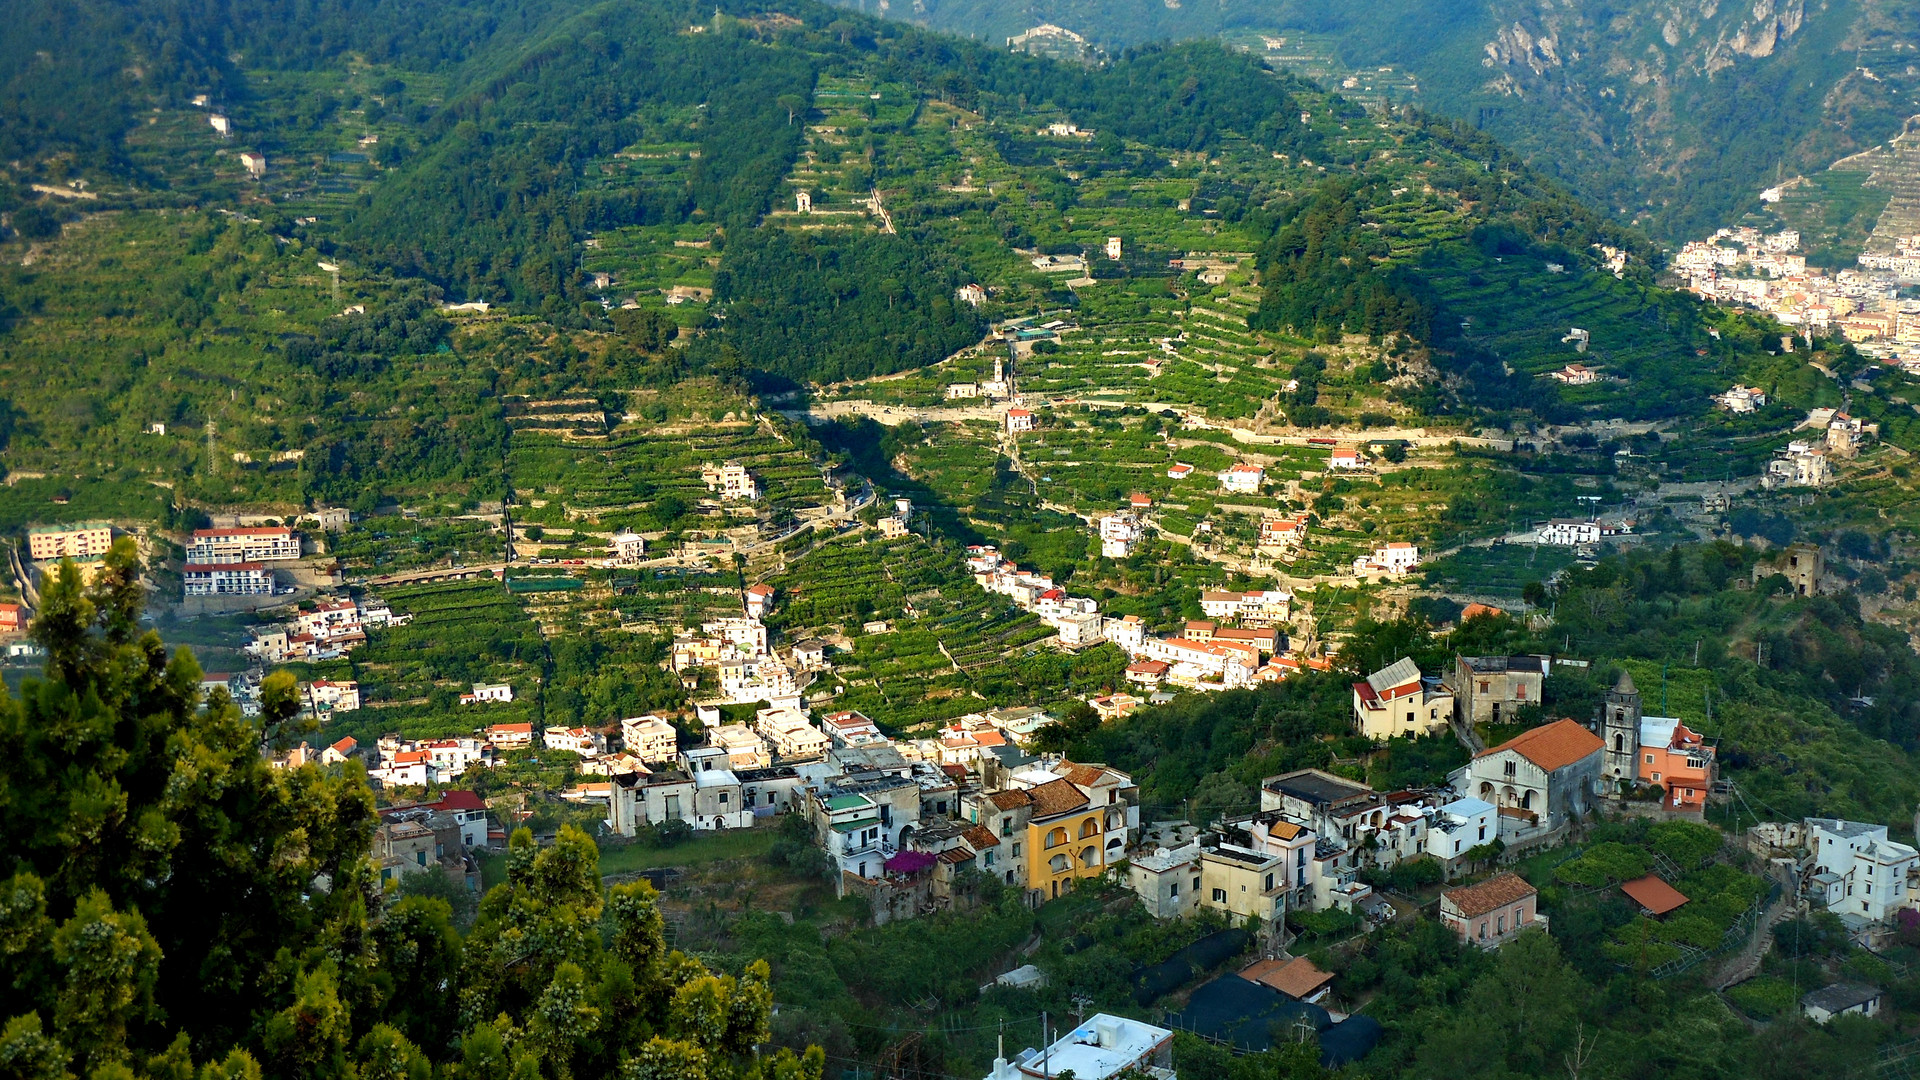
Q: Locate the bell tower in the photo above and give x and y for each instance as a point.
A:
(1620, 728)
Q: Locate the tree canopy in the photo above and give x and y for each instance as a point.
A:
(173, 899)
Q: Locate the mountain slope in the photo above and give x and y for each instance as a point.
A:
(1673, 114)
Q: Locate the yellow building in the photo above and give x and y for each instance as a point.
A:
(1243, 882)
(1055, 827)
(1065, 836)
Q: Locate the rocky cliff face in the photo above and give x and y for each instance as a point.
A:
(1672, 112)
(1677, 41)
(1678, 112)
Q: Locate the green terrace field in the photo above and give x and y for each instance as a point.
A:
(391, 543)
(646, 262)
(164, 322)
(951, 647)
(1834, 211)
(1510, 304)
(644, 474)
(310, 126)
(1497, 571)
(411, 677)
(670, 598)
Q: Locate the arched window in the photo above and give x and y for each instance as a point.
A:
(1056, 838)
(1089, 827)
(1619, 743)
(1089, 858)
(1060, 864)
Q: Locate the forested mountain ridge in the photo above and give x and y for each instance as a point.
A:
(1672, 114)
(74, 73)
(648, 155)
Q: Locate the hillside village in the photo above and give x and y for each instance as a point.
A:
(1098, 610)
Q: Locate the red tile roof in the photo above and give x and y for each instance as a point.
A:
(1011, 799)
(209, 534)
(1552, 746)
(1655, 895)
(1297, 978)
(980, 838)
(1057, 797)
(1496, 892)
(460, 800)
(1083, 775)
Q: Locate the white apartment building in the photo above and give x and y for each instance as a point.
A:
(1569, 532)
(485, 692)
(1128, 632)
(1860, 871)
(1801, 464)
(853, 729)
(1244, 478)
(510, 736)
(452, 757)
(1119, 533)
(761, 678)
(746, 634)
(227, 579)
(325, 696)
(628, 546)
(1267, 606)
(744, 748)
(1209, 664)
(1392, 559)
(788, 732)
(759, 600)
(1742, 399)
(243, 545)
(730, 481)
(575, 740)
(649, 738)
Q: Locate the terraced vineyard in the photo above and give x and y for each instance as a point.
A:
(628, 475)
(950, 647)
(411, 676)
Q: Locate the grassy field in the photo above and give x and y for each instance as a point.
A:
(621, 858)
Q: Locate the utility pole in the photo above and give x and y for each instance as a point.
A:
(333, 269)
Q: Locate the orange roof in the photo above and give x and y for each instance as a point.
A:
(511, 729)
(1474, 611)
(1285, 830)
(1011, 799)
(1084, 775)
(1057, 797)
(1655, 895)
(1552, 746)
(980, 838)
(1496, 892)
(1296, 978)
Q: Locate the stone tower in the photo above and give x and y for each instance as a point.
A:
(1620, 728)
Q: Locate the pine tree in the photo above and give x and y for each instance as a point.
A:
(172, 896)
